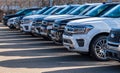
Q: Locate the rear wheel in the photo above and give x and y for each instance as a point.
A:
(98, 47)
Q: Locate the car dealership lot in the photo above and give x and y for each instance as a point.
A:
(20, 53)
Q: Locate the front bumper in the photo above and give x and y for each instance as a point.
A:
(35, 30)
(17, 26)
(45, 30)
(76, 42)
(26, 28)
(56, 36)
(113, 52)
(11, 23)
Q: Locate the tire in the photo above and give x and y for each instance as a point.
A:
(34, 35)
(97, 48)
(46, 38)
(12, 26)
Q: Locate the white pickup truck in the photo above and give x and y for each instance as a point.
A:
(89, 35)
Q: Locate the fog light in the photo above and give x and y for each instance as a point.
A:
(80, 42)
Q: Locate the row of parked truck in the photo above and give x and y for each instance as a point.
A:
(92, 28)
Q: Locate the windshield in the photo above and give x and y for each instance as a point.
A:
(31, 12)
(65, 10)
(100, 10)
(114, 13)
(19, 12)
(87, 10)
(71, 10)
(42, 10)
(79, 10)
(24, 12)
(49, 11)
(56, 11)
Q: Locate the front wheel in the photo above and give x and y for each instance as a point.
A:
(46, 38)
(98, 47)
(12, 26)
(34, 34)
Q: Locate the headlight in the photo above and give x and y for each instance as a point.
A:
(112, 35)
(62, 26)
(50, 23)
(30, 21)
(80, 29)
(27, 21)
(57, 26)
(47, 23)
(44, 23)
(37, 23)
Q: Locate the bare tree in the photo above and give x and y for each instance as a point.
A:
(42, 3)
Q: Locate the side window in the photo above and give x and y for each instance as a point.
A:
(106, 9)
(116, 13)
(88, 9)
(102, 9)
(119, 12)
(25, 12)
(57, 10)
(71, 10)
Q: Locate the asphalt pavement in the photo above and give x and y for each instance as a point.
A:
(22, 53)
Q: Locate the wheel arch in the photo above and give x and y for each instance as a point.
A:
(97, 35)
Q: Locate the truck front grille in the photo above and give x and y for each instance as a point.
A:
(115, 38)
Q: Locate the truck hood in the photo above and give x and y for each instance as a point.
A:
(10, 16)
(101, 23)
(90, 20)
(34, 16)
(13, 18)
(55, 17)
(65, 20)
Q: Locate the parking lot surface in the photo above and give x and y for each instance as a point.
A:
(22, 53)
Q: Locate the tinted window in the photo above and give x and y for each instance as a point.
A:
(25, 11)
(114, 13)
(99, 10)
(42, 10)
(19, 12)
(86, 10)
(65, 10)
(72, 10)
(31, 12)
(49, 10)
(56, 11)
(79, 10)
